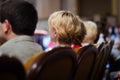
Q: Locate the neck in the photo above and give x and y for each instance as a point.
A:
(12, 35)
(90, 42)
(63, 45)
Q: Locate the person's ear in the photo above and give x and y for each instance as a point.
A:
(7, 26)
(54, 32)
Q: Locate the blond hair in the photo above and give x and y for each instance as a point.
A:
(91, 31)
(69, 28)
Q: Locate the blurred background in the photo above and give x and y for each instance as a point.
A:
(97, 10)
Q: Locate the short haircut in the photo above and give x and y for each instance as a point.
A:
(69, 27)
(11, 65)
(91, 32)
(21, 15)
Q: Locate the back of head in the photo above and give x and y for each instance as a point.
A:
(69, 28)
(11, 68)
(21, 15)
(91, 32)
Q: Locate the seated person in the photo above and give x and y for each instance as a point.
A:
(18, 21)
(91, 33)
(66, 29)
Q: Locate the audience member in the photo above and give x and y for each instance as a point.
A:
(101, 38)
(91, 33)
(11, 68)
(66, 29)
(18, 21)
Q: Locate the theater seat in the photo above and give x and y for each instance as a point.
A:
(57, 64)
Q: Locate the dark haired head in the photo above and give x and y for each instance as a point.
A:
(21, 15)
(11, 67)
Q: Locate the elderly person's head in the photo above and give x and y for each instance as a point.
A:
(66, 28)
(91, 32)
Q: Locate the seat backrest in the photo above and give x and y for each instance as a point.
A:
(111, 43)
(57, 64)
(101, 62)
(11, 68)
(86, 60)
(28, 63)
(100, 46)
